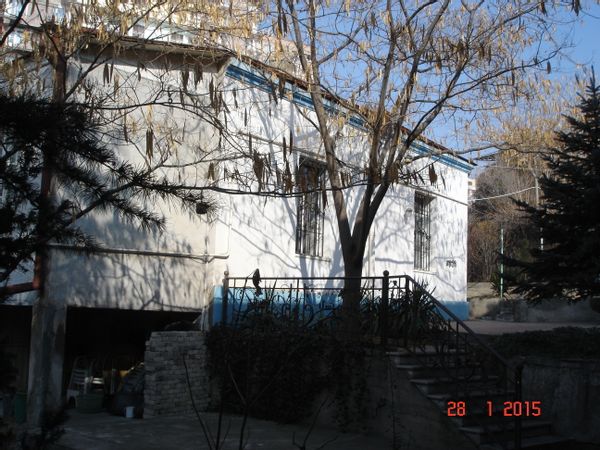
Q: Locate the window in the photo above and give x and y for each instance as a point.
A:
(422, 231)
(310, 217)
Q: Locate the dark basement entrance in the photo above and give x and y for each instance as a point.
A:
(105, 344)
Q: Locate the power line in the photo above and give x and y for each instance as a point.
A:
(501, 195)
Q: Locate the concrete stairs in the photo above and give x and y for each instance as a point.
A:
(453, 376)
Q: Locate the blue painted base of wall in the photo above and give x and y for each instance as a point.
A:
(459, 309)
(216, 310)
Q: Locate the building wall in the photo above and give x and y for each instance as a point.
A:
(262, 229)
(139, 269)
(178, 269)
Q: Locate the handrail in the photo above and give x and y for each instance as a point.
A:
(312, 278)
(438, 304)
(515, 371)
(471, 333)
(465, 336)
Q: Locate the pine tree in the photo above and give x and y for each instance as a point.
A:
(88, 174)
(569, 220)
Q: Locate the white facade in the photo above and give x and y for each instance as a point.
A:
(179, 269)
(262, 231)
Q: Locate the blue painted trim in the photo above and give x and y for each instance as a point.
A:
(445, 159)
(217, 305)
(460, 309)
(248, 75)
(320, 305)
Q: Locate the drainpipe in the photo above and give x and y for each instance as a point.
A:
(370, 255)
(537, 206)
(501, 263)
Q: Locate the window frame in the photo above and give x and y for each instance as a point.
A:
(422, 231)
(309, 239)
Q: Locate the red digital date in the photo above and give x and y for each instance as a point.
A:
(518, 409)
(510, 409)
(456, 409)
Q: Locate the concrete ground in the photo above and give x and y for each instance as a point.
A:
(106, 432)
(494, 327)
(103, 431)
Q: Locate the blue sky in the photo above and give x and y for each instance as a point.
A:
(585, 36)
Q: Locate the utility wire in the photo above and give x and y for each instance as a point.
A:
(501, 195)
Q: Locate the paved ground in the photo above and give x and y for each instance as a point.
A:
(105, 432)
(501, 327)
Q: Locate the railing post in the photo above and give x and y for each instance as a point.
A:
(383, 314)
(225, 298)
(519, 398)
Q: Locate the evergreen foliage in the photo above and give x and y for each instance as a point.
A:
(87, 174)
(569, 264)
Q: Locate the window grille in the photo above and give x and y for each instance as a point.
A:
(310, 212)
(422, 231)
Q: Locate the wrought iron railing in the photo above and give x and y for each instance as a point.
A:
(471, 366)
(392, 308)
(298, 300)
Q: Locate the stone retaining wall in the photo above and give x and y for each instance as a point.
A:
(569, 391)
(166, 388)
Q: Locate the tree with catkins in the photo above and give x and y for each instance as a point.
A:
(406, 68)
(69, 114)
(397, 68)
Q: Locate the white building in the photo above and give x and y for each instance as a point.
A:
(472, 187)
(111, 300)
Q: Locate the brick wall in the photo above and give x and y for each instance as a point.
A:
(166, 390)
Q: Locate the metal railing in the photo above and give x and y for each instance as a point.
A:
(470, 364)
(392, 309)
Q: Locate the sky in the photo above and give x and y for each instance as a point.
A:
(584, 52)
(586, 40)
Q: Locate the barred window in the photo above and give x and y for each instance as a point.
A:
(310, 212)
(422, 231)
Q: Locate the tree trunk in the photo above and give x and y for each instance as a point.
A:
(49, 315)
(352, 294)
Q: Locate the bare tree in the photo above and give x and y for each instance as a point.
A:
(493, 208)
(403, 68)
(97, 56)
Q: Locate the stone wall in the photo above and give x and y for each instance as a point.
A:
(166, 389)
(483, 301)
(419, 424)
(569, 391)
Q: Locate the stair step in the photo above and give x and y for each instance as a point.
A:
(505, 431)
(485, 394)
(446, 384)
(452, 380)
(545, 442)
(421, 371)
(425, 351)
(431, 358)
